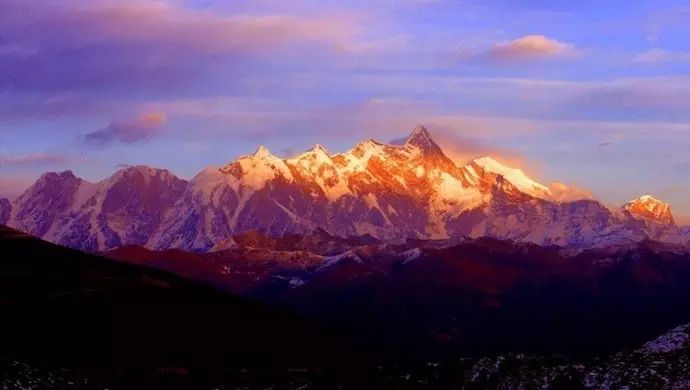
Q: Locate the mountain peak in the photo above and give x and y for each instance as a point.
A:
(318, 148)
(256, 170)
(312, 158)
(421, 138)
(650, 208)
(68, 174)
(262, 151)
(646, 198)
(143, 169)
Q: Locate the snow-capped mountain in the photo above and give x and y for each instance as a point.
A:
(649, 209)
(124, 209)
(390, 192)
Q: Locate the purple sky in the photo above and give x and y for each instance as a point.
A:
(593, 94)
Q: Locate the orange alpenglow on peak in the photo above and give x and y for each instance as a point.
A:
(650, 208)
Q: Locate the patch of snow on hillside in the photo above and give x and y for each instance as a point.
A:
(411, 255)
(333, 260)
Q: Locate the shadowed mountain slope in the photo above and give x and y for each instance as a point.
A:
(64, 308)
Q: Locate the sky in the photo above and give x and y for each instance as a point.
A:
(592, 94)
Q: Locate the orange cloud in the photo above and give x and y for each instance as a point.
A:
(565, 193)
(156, 118)
(531, 46)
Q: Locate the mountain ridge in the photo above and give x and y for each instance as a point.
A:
(391, 192)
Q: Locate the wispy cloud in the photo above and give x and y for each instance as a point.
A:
(566, 193)
(33, 160)
(677, 196)
(132, 131)
(661, 55)
(80, 44)
(13, 186)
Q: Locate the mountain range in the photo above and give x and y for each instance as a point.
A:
(388, 192)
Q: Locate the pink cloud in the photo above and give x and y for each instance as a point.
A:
(203, 30)
(33, 160)
(13, 186)
(132, 131)
(565, 193)
(135, 45)
(530, 47)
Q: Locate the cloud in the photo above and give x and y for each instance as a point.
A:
(144, 45)
(677, 196)
(483, 107)
(460, 146)
(140, 129)
(33, 160)
(682, 220)
(661, 55)
(565, 193)
(13, 186)
(530, 47)
(654, 98)
(526, 48)
(458, 139)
